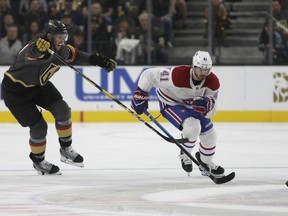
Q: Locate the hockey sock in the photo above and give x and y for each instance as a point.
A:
(38, 146)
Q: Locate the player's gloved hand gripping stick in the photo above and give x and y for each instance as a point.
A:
(113, 98)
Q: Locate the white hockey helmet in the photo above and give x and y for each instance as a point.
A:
(202, 59)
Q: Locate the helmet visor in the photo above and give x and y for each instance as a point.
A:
(61, 37)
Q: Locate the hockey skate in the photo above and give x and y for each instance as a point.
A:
(216, 171)
(70, 156)
(44, 167)
(186, 163)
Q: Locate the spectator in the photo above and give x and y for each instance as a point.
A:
(162, 9)
(220, 21)
(75, 4)
(100, 30)
(52, 12)
(279, 53)
(97, 15)
(9, 46)
(33, 31)
(79, 41)
(35, 13)
(82, 8)
(122, 13)
(123, 31)
(279, 12)
(5, 9)
(159, 52)
(179, 13)
(77, 18)
(107, 10)
(100, 36)
(8, 20)
(24, 6)
(129, 8)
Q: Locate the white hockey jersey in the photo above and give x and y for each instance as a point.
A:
(175, 86)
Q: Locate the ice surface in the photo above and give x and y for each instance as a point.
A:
(130, 170)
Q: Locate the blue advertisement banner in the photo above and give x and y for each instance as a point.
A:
(120, 75)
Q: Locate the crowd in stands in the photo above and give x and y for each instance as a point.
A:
(118, 28)
(113, 23)
(221, 22)
(280, 34)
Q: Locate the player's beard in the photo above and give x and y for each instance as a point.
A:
(58, 46)
(195, 76)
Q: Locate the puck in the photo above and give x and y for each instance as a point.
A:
(287, 183)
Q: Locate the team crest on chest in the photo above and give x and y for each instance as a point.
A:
(164, 75)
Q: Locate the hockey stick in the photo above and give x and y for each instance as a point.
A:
(216, 180)
(113, 98)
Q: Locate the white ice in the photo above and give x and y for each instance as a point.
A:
(131, 171)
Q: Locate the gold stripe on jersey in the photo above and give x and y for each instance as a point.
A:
(18, 81)
(34, 59)
(72, 53)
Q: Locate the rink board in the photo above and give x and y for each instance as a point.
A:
(247, 94)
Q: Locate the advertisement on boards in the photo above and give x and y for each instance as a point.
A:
(242, 88)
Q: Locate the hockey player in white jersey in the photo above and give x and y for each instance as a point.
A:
(187, 97)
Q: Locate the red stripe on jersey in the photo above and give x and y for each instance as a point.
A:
(166, 96)
(212, 82)
(174, 116)
(181, 76)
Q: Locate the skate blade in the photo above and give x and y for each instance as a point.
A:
(43, 173)
(67, 161)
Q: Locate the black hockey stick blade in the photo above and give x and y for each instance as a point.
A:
(224, 179)
(217, 180)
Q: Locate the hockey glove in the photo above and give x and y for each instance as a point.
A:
(106, 63)
(42, 45)
(140, 101)
(203, 104)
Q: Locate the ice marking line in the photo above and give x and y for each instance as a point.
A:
(196, 197)
(86, 208)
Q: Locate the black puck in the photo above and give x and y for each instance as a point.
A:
(287, 183)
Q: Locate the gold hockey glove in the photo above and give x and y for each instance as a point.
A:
(42, 45)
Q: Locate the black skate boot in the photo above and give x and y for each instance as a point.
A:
(216, 171)
(44, 167)
(70, 156)
(186, 163)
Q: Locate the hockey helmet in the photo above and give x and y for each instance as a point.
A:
(55, 27)
(202, 60)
